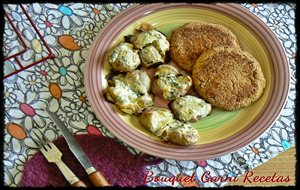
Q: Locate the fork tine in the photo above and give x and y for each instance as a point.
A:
(53, 155)
(49, 143)
(41, 140)
(44, 136)
(45, 139)
(38, 144)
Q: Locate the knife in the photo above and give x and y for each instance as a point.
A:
(96, 177)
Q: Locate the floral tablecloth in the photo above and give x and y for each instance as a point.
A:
(69, 30)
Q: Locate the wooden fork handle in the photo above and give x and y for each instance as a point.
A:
(97, 179)
(69, 175)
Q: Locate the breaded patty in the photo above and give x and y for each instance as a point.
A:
(190, 40)
(228, 78)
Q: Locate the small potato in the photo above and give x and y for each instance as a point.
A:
(152, 44)
(166, 70)
(130, 92)
(143, 38)
(139, 81)
(155, 119)
(156, 89)
(182, 134)
(150, 56)
(161, 122)
(169, 84)
(190, 108)
(124, 58)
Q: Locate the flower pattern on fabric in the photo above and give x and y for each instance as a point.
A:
(11, 44)
(48, 24)
(43, 71)
(9, 96)
(8, 46)
(80, 98)
(278, 141)
(255, 154)
(232, 171)
(28, 110)
(75, 113)
(81, 38)
(33, 83)
(69, 29)
(36, 49)
(97, 12)
(91, 30)
(65, 71)
(69, 14)
(18, 17)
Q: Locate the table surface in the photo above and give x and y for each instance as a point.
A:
(283, 165)
(69, 30)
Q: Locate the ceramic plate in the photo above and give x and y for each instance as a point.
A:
(222, 132)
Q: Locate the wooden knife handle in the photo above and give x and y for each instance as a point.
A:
(98, 179)
(79, 184)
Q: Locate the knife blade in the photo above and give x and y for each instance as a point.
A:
(96, 177)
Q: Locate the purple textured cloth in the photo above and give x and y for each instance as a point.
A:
(118, 165)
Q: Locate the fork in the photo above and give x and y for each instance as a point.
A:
(53, 155)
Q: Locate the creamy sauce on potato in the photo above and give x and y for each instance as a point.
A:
(169, 84)
(190, 108)
(124, 58)
(131, 96)
(161, 123)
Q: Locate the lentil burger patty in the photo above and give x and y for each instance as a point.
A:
(228, 78)
(190, 40)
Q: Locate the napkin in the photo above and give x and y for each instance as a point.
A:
(119, 166)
